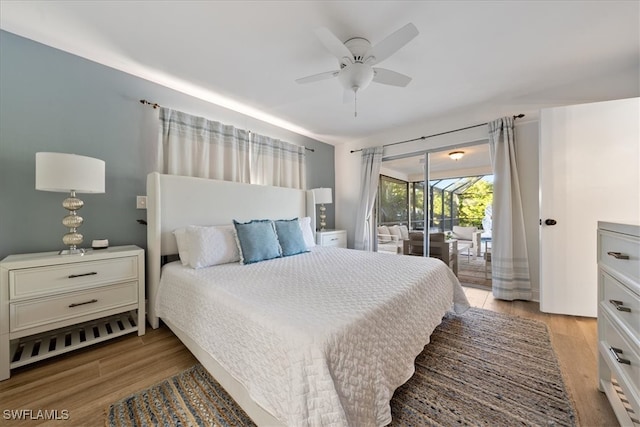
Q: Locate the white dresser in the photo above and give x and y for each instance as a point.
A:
(51, 304)
(336, 238)
(619, 318)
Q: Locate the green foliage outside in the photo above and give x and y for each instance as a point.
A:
(393, 201)
(472, 203)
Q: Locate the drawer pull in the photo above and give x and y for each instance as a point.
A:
(615, 351)
(620, 305)
(73, 276)
(618, 255)
(75, 304)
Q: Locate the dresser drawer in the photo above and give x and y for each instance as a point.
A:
(620, 253)
(49, 280)
(35, 312)
(625, 305)
(627, 362)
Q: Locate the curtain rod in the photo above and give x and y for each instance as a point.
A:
(519, 116)
(155, 105)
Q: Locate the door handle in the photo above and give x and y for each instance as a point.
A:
(550, 221)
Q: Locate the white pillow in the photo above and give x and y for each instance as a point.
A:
(384, 231)
(463, 233)
(307, 232)
(209, 246)
(181, 240)
(404, 232)
(394, 230)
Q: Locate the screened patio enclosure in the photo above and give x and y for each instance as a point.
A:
(453, 201)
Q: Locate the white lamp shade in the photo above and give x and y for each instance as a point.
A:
(322, 195)
(65, 172)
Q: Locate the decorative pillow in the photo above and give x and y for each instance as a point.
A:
(394, 230)
(404, 232)
(181, 240)
(290, 237)
(307, 232)
(257, 241)
(383, 230)
(209, 246)
(463, 233)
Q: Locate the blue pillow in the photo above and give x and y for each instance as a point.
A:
(290, 237)
(257, 240)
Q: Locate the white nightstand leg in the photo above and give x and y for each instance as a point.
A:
(5, 350)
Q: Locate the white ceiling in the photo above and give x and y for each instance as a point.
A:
(476, 161)
(494, 57)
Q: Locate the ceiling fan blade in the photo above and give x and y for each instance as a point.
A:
(332, 43)
(388, 77)
(391, 44)
(318, 77)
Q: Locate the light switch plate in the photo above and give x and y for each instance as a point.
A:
(141, 202)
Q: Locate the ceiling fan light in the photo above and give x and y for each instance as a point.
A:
(356, 75)
(456, 155)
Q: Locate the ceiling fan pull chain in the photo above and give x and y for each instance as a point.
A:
(355, 105)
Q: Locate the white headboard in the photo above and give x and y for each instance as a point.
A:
(177, 201)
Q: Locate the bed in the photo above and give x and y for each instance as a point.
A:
(319, 338)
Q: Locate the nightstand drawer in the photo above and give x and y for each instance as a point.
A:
(621, 254)
(41, 311)
(333, 238)
(48, 280)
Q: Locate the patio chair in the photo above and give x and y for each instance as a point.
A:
(468, 238)
(439, 247)
(390, 239)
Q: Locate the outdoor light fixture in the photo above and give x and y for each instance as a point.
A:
(456, 155)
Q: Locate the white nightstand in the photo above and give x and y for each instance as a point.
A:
(336, 238)
(51, 304)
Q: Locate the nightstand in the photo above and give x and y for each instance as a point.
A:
(51, 304)
(335, 238)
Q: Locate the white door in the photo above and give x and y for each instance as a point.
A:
(589, 172)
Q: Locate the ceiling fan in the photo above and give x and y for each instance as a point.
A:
(357, 57)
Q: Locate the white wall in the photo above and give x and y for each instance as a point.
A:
(348, 176)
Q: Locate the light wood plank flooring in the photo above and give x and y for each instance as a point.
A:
(85, 382)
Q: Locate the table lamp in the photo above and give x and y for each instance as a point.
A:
(322, 196)
(71, 173)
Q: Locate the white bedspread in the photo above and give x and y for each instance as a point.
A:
(318, 339)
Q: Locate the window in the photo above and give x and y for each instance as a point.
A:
(417, 206)
(393, 201)
(454, 201)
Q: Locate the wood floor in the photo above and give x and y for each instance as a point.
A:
(85, 382)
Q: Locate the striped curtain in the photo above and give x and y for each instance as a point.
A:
(278, 163)
(509, 258)
(195, 146)
(369, 179)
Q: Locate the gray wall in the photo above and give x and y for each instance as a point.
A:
(53, 101)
